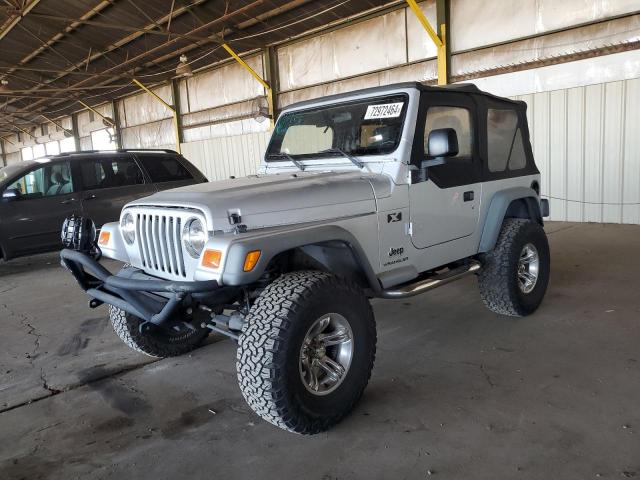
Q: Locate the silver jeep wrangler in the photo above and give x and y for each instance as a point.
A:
(386, 192)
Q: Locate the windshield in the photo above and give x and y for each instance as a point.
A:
(371, 126)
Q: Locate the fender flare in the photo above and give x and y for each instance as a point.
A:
(274, 243)
(498, 210)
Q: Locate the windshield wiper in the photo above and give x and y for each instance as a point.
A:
(353, 159)
(290, 158)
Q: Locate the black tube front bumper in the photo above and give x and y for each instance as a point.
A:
(144, 298)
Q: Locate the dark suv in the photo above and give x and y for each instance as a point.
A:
(36, 196)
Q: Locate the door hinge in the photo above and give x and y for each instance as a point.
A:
(408, 228)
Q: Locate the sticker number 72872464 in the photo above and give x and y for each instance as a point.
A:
(386, 110)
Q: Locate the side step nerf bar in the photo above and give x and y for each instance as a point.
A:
(431, 282)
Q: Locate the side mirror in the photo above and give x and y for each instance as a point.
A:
(11, 194)
(443, 142)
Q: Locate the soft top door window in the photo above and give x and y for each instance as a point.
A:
(164, 168)
(110, 172)
(47, 181)
(456, 111)
(457, 118)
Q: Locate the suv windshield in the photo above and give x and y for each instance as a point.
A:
(364, 127)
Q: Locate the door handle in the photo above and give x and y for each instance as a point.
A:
(468, 196)
(68, 201)
(90, 197)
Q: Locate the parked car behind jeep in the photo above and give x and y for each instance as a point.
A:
(38, 195)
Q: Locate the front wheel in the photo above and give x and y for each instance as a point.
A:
(307, 350)
(515, 274)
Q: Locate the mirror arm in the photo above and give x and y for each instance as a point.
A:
(434, 162)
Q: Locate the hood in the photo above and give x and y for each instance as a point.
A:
(278, 199)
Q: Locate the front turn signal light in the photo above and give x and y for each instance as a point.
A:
(104, 238)
(251, 260)
(211, 258)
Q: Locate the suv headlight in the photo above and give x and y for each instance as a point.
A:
(194, 237)
(128, 228)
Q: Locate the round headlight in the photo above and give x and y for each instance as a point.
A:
(128, 228)
(194, 237)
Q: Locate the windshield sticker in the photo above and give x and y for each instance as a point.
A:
(386, 110)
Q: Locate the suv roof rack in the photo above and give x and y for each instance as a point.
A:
(119, 150)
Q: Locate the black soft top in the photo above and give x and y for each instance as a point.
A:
(455, 87)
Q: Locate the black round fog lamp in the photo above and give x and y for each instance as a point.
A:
(79, 233)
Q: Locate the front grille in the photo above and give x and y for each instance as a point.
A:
(160, 243)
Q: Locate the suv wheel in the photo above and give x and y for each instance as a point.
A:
(307, 350)
(158, 341)
(515, 273)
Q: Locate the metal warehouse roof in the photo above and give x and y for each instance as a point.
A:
(53, 51)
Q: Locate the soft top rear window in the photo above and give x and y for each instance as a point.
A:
(371, 126)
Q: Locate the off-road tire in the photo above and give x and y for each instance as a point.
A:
(158, 342)
(269, 350)
(498, 279)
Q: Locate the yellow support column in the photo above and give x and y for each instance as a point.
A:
(176, 124)
(440, 42)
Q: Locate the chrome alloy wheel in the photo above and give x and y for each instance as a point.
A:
(326, 353)
(528, 268)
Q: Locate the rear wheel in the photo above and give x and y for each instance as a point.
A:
(515, 274)
(307, 350)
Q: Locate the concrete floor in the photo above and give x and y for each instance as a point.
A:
(457, 392)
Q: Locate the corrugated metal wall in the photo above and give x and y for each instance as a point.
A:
(585, 142)
(222, 157)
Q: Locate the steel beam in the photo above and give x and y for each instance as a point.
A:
(116, 120)
(175, 94)
(443, 15)
(76, 131)
(7, 27)
(271, 68)
(4, 155)
(176, 121)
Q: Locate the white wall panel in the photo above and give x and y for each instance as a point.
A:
(89, 121)
(13, 157)
(585, 142)
(151, 135)
(12, 144)
(220, 158)
(415, 72)
(590, 37)
(608, 68)
(86, 143)
(575, 149)
(221, 86)
(144, 108)
(475, 23)
(364, 47)
(419, 44)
